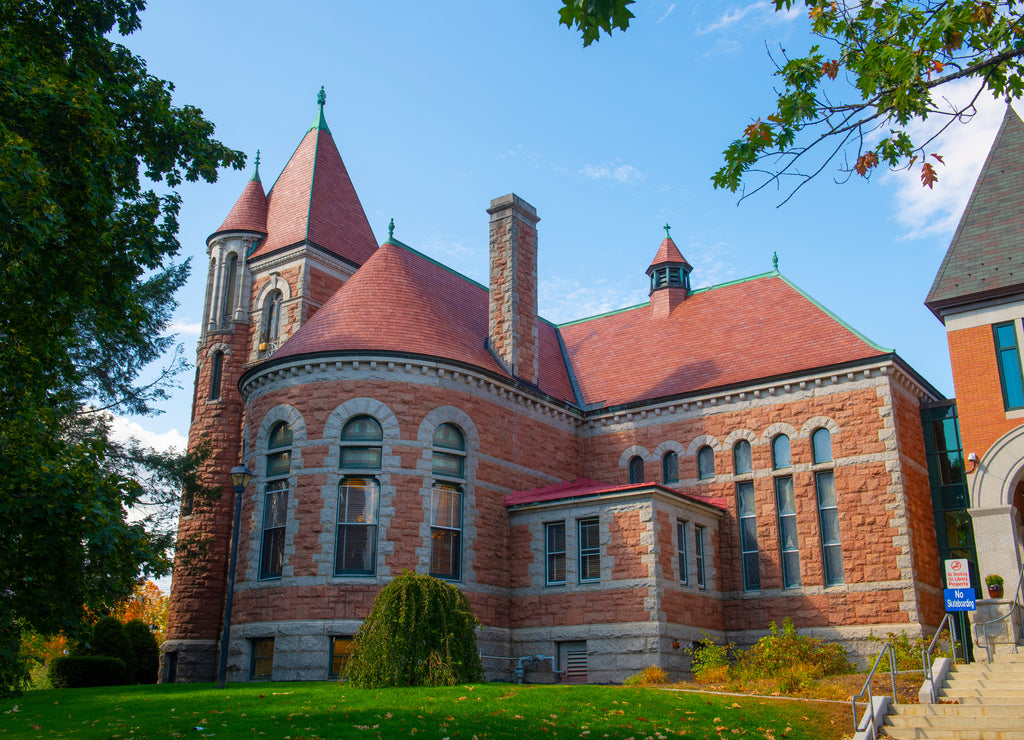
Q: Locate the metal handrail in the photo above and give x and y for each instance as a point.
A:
(887, 648)
(1015, 608)
(927, 652)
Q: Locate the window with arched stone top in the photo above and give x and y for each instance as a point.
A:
(821, 444)
(636, 469)
(449, 468)
(705, 463)
(271, 319)
(216, 374)
(358, 498)
(230, 278)
(741, 457)
(275, 500)
(781, 454)
(670, 467)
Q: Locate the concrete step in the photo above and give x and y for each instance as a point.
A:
(919, 733)
(957, 710)
(973, 695)
(959, 680)
(1002, 724)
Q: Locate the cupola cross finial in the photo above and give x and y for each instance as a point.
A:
(667, 227)
(321, 98)
(775, 261)
(257, 159)
(391, 229)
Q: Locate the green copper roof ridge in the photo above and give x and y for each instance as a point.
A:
(395, 242)
(835, 317)
(320, 124)
(692, 292)
(312, 178)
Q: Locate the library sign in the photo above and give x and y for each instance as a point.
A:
(959, 596)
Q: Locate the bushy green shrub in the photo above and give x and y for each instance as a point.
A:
(710, 662)
(908, 651)
(794, 660)
(81, 671)
(109, 638)
(421, 632)
(649, 676)
(145, 650)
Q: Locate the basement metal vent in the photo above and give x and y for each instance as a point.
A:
(572, 658)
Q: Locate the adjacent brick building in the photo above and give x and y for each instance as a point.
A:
(605, 491)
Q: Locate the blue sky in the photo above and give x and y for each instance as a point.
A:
(439, 107)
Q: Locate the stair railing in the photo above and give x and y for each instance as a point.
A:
(1015, 608)
(887, 648)
(926, 653)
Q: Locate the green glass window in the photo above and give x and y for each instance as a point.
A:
(279, 463)
(821, 444)
(361, 444)
(705, 462)
(781, 457)
(1008, 358)
(748, 536)
(698, 554)
(449, 464)
(742, 460)
(275, 517)
(670, 467)
(785, 500)
(828, 518)
(356, 541)
(681, 549)
(636, 469)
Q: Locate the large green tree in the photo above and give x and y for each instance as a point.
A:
(851, 100)
(91, 149)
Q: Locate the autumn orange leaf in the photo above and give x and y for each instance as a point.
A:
(830, 69)
(941, 160)
(866, 162)
(928, 175)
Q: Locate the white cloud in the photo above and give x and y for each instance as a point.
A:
(123, 428)
(623, 173)
(713, 264)
(758, 12)
(564, 300)
(670, 9)
(185, 328)
(963, 147)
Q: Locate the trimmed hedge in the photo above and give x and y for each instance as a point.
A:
(81, 671)
(145, 651)
(421, 632)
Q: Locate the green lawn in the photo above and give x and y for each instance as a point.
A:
(330, 710)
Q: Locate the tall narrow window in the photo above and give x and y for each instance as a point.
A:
(636, 469)
(670, 467)
(781, 457)
(681, 549)
(230, 278)
(356, 541)
(1008, 357)
(785, 501)
(449, 461)
(275, 501)
(705, 463)
(748, 536)
(272, 320)
(215, 375)
(698, 554)
(590, 549)
(554, 545)
(828, 509)
(742, 460)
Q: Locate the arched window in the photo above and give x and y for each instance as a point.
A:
(636, 469)
(272, 318)
(828, 508)
(742, 461)
(670, 467)
(449, 463)
(355, 549)
(705, 462)
(215, 375)
(275, 502)
(781, 457)
(821, 441)
(230, 277)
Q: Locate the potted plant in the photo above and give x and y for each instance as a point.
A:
(995, 586)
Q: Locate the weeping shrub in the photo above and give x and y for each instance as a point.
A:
(421, 632)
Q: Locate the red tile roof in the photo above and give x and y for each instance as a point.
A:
(250, 210)
(729, 334)
(583, 487)
(668, 253)
(401, 301)
(313, 199)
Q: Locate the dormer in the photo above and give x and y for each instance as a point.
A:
(670, 277)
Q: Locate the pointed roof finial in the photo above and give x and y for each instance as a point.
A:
(321, 98)
(667, 227)
(256, 173)
(320, 124)
(391, 229)
(775, 261)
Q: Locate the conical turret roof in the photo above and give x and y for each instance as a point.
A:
(250, 210)
(314, 201)
(986, 256)
(668, 254)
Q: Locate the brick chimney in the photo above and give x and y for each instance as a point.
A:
(512, 313)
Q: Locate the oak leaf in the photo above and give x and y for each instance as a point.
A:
(928, 175)
(866, 162)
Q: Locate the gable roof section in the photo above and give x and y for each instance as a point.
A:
(313, 200)
(585, 487)
(986, 257)
(405, 303)
(250, 210)
(727, 335)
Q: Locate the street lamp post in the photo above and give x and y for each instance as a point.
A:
(240, 477)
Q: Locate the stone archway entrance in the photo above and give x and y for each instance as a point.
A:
(997, 495)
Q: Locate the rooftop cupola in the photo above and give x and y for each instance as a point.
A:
(670, 277)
